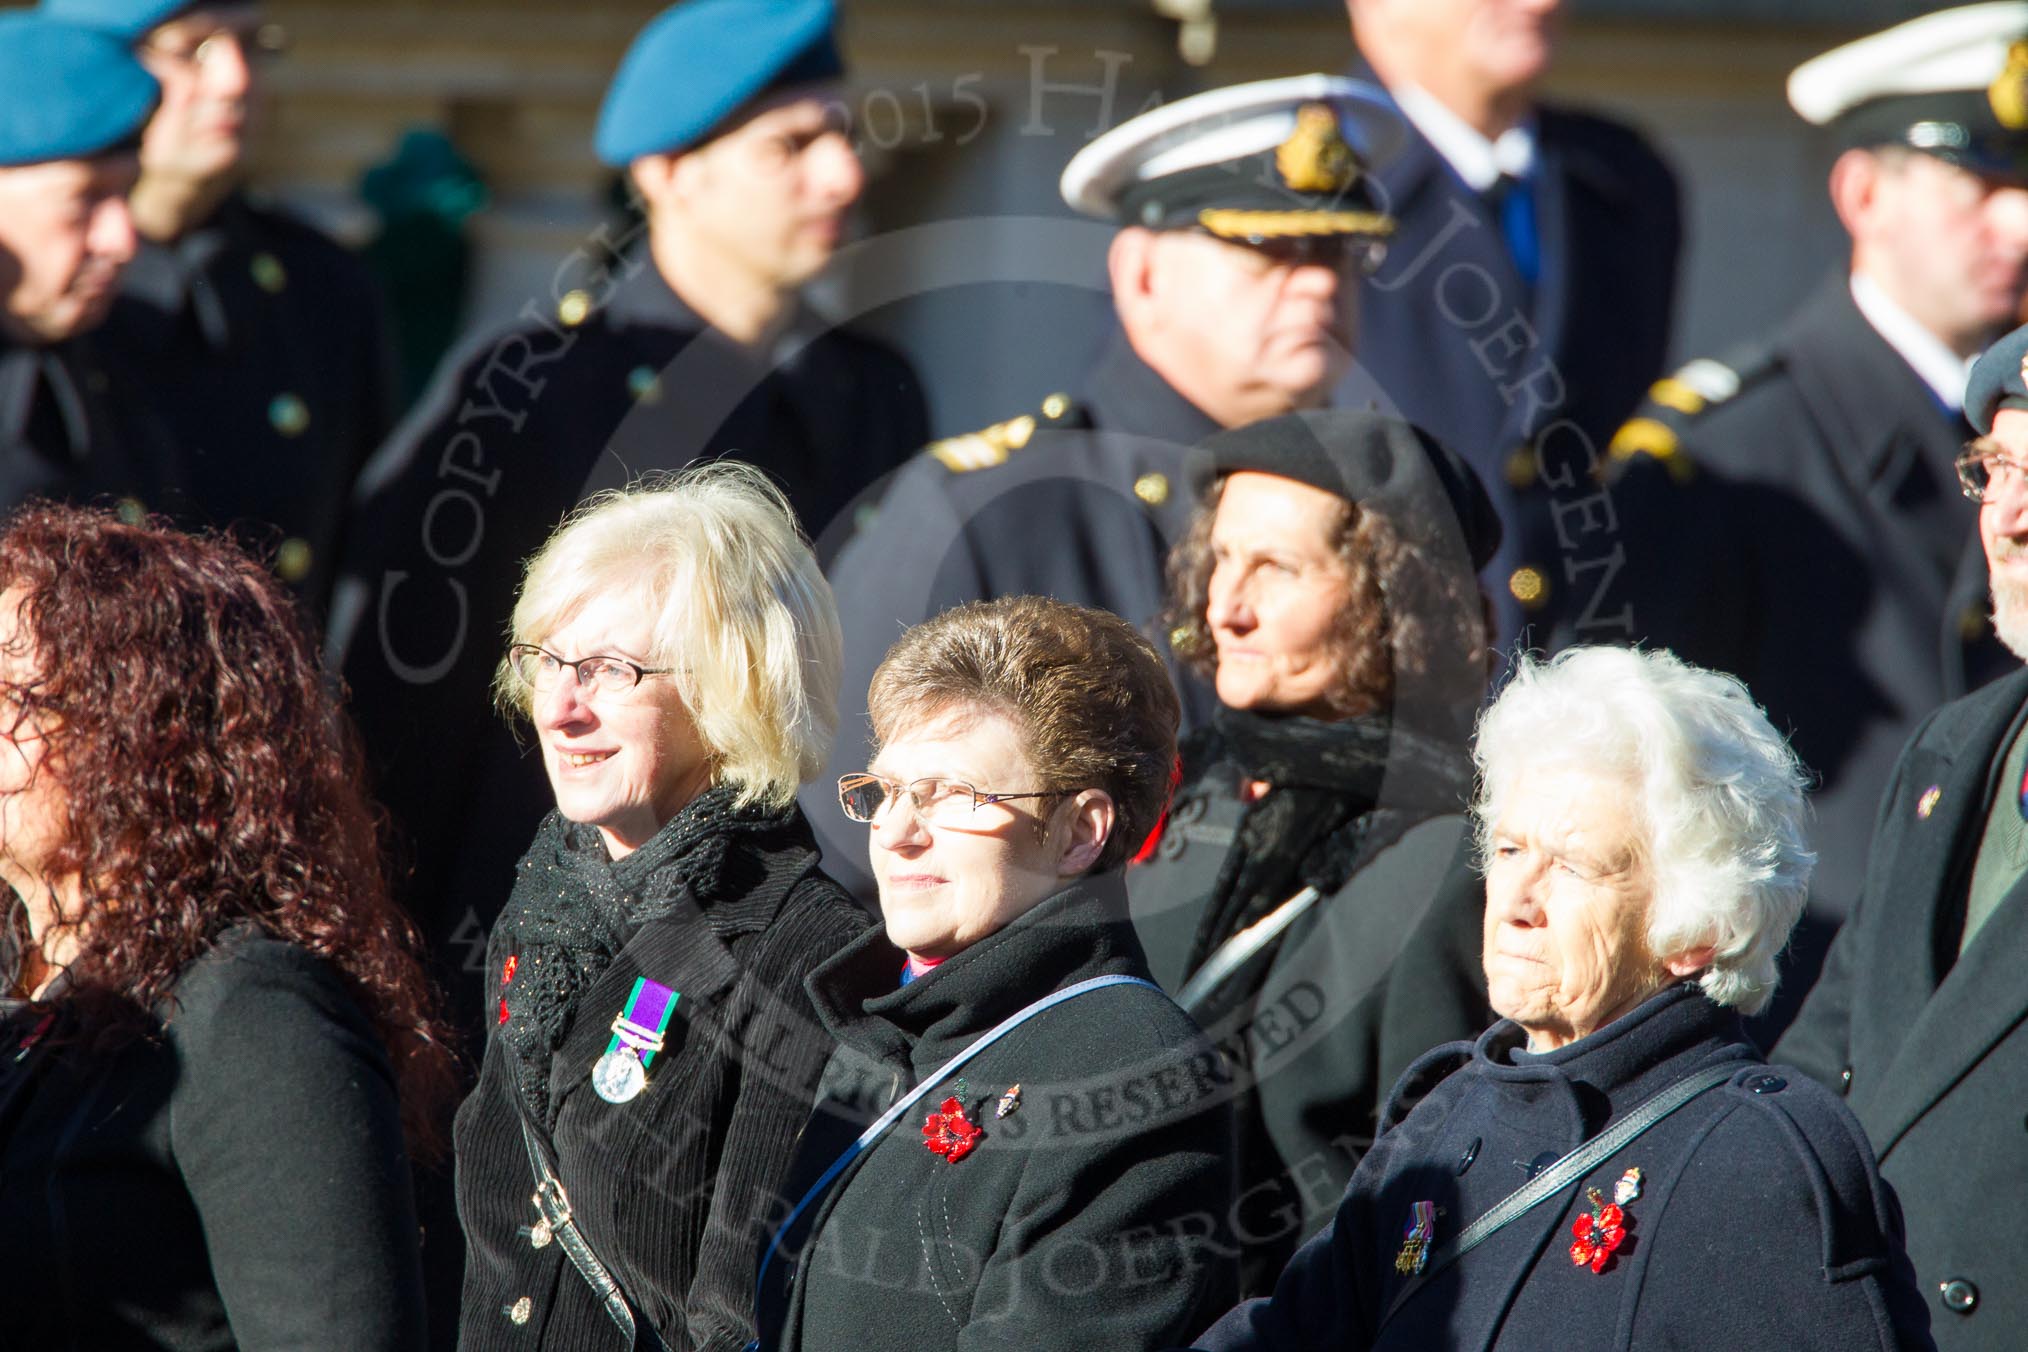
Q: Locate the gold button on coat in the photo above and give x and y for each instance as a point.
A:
(1521, 467)
(520, 1310)
(1152, 489)
(268, 273)
(293, 559)
(573, 308)
(1055, 406)
(289, 414)
(1529, 586)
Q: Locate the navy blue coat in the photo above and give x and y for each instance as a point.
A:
(1761, 1220)
(1930, 1044)
(1527, 384)
(63, 437)
(255, 345)
(1080, 500)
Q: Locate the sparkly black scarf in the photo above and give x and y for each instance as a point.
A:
(1340, 793)
(574, 908)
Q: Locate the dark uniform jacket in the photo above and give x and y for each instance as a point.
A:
(1380, 968)
(1760, 1220)
(256, 346)
(61, 435)
(1792, 516)
(1079, 500)
(1930, 1045)
(675, 1188)
(237, 1181)
(516, 433)
(1527, 384)
(1090, 1215)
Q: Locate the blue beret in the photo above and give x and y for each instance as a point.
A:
(1997, 381)
(127, 19)
(67, 92)
(697, 62)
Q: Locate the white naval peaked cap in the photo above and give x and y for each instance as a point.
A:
(1951, 50)
(1316, 136)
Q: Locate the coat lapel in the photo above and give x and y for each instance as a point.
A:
(678, 950)
(1554, 184)
(1931, 1032)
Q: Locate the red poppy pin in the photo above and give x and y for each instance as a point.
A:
(506, 980)
(1601, 1232)
(948, 1132)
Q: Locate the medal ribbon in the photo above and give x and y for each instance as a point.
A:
(640, 1026)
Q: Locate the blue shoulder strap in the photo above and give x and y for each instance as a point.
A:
(902, 1105)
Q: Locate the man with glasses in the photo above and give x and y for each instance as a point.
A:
(72, 104)
(1789, 512)
(243, 337)
(1245, 220)
(1921, 1018)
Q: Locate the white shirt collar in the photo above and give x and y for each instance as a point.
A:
(1943, 370)
(1478, 161)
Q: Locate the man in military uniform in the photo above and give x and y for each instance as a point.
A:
(1244, 216)
(693, 345)
(1789, 512)
(1527, 294)
(1921, 1018)
(243, 337)
(72, 104)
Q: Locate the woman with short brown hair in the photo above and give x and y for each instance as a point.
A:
(1050, 1125)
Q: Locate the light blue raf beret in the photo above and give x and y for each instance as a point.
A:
(126, 19)
(67, 92)
(698, 62)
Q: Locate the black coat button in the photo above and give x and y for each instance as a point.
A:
(1471, 1153)
(1959, 1296)
(1767, 1084)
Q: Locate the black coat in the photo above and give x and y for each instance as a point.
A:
(64, 436)
(675, 1188)
(1807, 535)
(517, 431)
(1091, 1215)
(1079, 500)
(256, 346)
(1761, 1221)
(237, 1181)
(1929, 1045)
(1527, 385)
(1384, 966)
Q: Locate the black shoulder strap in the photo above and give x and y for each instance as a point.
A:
(1561, 1175)
(554, 1204)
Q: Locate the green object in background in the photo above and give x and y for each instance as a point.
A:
(424, 194)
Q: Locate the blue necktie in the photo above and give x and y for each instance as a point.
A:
(1514, 200)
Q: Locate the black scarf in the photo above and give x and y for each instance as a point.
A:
(1339, 794)
(574, 908)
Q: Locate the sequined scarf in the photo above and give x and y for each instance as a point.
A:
(574, 908)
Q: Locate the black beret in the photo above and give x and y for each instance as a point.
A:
(1366, 458)
(1996, 381)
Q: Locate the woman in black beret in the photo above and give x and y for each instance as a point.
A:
(1295, 900)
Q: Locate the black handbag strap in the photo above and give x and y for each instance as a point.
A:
(554, 1204)
(1561, 1175)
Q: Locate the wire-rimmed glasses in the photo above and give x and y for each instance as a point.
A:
(939, 802)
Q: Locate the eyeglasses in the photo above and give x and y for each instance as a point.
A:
(1982, 469)
(256, 42)
(1361, 255)
(539, 669)
(940, 802)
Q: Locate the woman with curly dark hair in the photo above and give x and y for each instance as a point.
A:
(1296, 899)
(217, 1045)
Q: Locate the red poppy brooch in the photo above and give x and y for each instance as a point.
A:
(507, 979)
(1600, 1233)
(948, 1132)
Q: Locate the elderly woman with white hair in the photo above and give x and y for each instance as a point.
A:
(654, 1053)
(1612, 1164)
